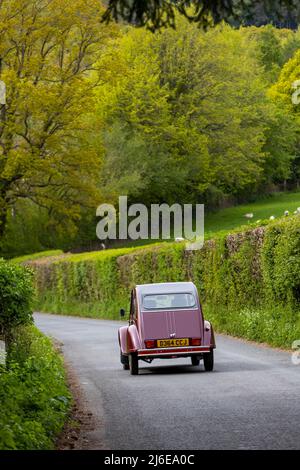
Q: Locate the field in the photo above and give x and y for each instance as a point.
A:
(233, 217)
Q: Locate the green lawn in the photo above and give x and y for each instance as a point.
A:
(233, 217)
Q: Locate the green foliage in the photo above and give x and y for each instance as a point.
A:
(16, 296)
(281, 263)
(46, 156)
(98, 111)
(39, 255)
(33, 394)
(270, 325)
(282, 93)
(86, 284)
(182, 120)
(263, 208)
(270, 51)
(248, 280)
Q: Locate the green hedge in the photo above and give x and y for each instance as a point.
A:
(39, 255)
(33, 393)
(249, 281)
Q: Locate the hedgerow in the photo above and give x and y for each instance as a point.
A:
(34, 399)
(41, 254)
(248, 280)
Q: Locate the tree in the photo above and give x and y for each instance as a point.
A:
(156, 14)
(270, 51)
(273, 47)
(222, 101)
(285, 94)
(48, 48)
(280, 145)
(145, 148)
(185, 115)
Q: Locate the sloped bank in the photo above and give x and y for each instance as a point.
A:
(249, 281)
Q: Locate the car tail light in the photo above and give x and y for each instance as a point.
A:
(150, 343)
(195, 342)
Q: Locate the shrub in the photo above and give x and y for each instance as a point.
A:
(16, 295)
(33, 394)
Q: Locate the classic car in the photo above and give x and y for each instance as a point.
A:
(165, 322)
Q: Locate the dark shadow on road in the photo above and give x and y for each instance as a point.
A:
(188, 369)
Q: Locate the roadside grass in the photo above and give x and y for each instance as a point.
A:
(262, 324)
(77, 308)
(115, 252)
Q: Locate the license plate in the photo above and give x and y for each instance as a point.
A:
(172, 343)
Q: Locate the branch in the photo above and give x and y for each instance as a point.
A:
(156, 14)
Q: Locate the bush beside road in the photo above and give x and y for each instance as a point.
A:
(34, 396)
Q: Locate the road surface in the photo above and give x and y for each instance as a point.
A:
(250, 401)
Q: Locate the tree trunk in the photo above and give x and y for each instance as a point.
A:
(3, 213)
(284, 185)
(9, 343)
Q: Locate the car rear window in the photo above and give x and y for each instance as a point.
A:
(167, 301)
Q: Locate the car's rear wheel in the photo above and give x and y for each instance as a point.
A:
(124, 361)
(133, 364)
(195, 360)
(208, 359)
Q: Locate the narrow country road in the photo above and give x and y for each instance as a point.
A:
(250, 401)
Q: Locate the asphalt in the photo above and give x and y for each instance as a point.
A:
(250, 401)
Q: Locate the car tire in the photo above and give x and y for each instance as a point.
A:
(133, 364)
(195, 360)
(208, 359)
(124, 361)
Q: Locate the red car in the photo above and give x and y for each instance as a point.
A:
(166, 322)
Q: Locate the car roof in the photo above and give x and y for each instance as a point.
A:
(166, 287)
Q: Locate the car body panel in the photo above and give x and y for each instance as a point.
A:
(209, 336)
(172, 352)
(123, 332)
(134, 342)
(185, 323)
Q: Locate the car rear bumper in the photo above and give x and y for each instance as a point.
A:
(172, 352)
